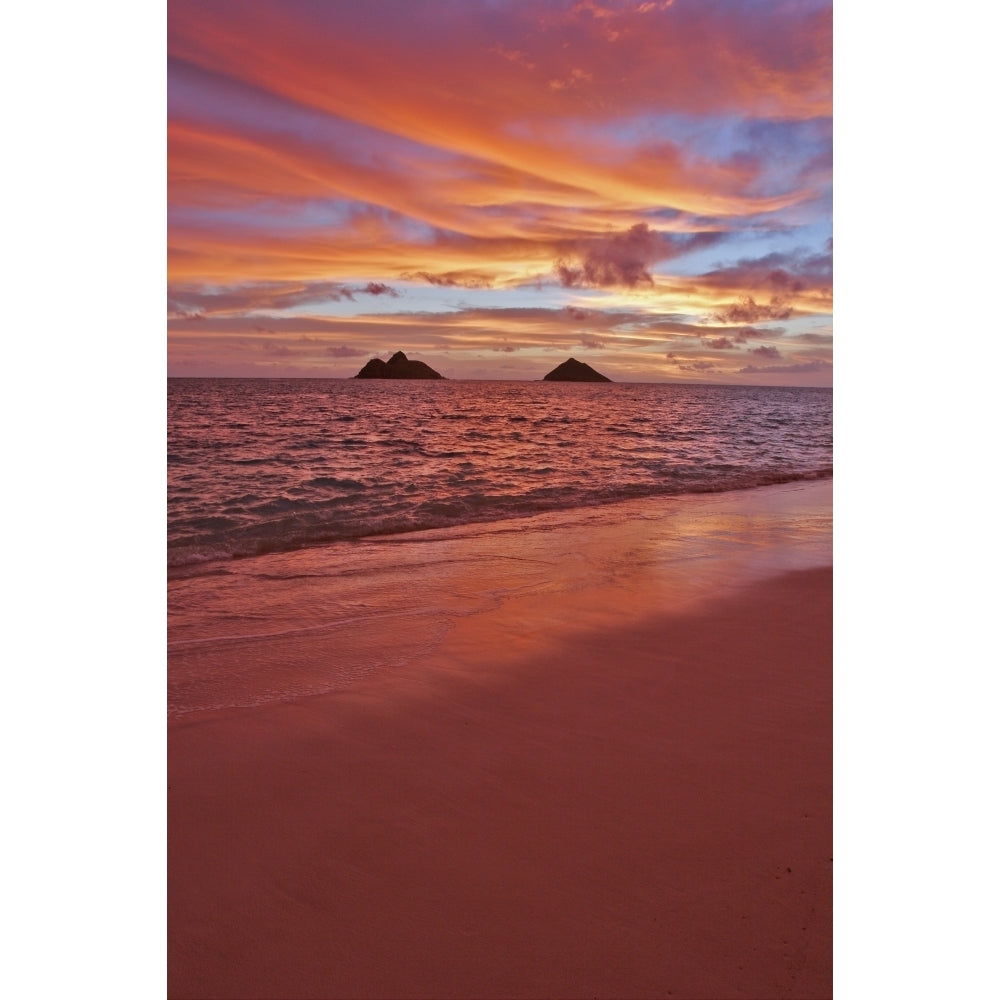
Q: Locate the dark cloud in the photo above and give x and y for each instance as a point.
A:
(184, 300)
(276, 350)
(766, 351)
(344, 351)
(719, 344)
(697, 366)
(814, 338)
(747, 310)
(454, 279)
(751, 332)
(265, 295)
(175, 310)
(808, 366)
(777, 274)
(671, 324)
(622, 259)
(236, 324)
(779, 278)
(592, 343)
(188, 302)
(437, 279)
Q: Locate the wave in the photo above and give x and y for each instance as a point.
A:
(332, 482)
(297, 525)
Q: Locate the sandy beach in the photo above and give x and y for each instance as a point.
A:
(575, 794)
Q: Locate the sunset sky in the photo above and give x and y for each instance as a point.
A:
(495, 186)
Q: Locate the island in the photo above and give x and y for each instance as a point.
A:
(575, 371)
(398, 366)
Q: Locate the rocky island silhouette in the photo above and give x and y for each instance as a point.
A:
(398, 366)
(572, 370)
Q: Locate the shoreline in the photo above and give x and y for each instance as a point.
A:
(573, 792)
(318, 620)
(503, 520)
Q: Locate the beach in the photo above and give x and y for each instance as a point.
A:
(605, 789)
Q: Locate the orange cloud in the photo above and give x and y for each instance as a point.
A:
(477, 103)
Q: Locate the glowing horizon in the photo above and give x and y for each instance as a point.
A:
(493, 187)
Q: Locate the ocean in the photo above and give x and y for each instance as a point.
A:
(258, 466)
(321, 530)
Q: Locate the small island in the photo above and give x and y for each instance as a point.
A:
(575, 371)
(398, 366)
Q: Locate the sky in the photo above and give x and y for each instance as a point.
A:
(85, 227)
(492, 186)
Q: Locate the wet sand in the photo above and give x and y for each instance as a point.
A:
(634, 804)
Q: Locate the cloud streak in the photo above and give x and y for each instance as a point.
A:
(197, 302)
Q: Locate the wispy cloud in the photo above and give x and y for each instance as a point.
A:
(195, 302)
(807, 367)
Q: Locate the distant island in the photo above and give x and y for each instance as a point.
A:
(575, 371)
(398, 366)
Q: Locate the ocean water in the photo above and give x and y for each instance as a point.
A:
(322, 531)
(260, 466)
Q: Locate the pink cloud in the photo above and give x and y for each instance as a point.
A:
(623, 259)
(749, 311)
